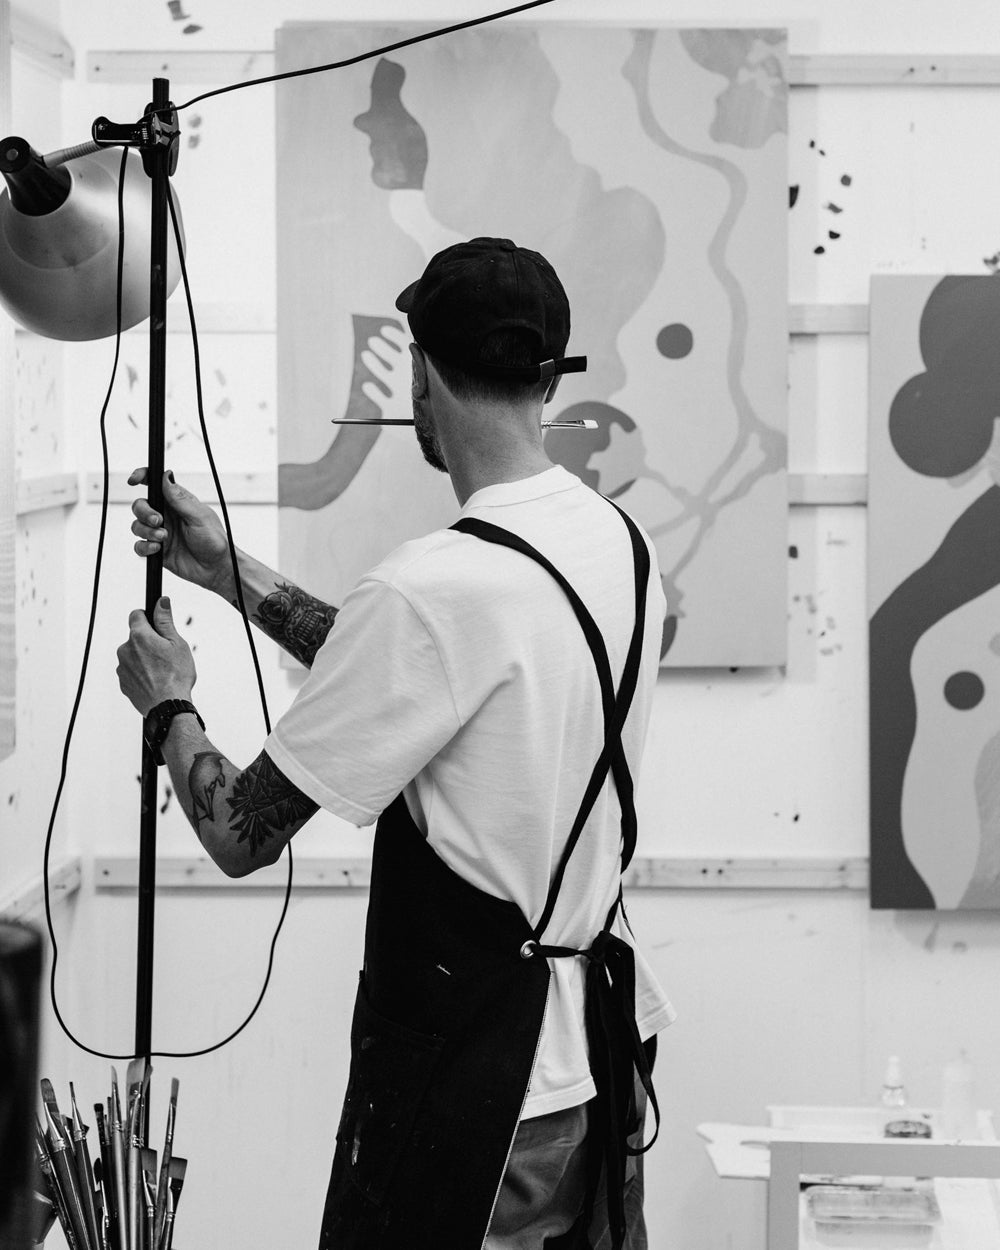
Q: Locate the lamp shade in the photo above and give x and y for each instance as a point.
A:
(59, 243)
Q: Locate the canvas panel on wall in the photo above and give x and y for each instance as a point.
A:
(8, 658)
(650, 167)
(934, 592)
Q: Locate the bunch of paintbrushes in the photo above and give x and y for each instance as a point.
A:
(115, 1200)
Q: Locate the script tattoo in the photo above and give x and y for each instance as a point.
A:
(264, 802)
(298, 621)
(205, 778)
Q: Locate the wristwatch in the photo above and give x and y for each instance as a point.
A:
(157, 723)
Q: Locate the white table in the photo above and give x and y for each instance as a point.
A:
(970, 1209)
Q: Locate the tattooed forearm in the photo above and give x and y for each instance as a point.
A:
(299, 622)
(207, 776)
(264, 802)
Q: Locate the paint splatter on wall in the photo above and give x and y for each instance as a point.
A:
(831, 228)
(176, 9)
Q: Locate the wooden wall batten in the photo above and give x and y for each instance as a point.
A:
(120, 872)
(804, 69)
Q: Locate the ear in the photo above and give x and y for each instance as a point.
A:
(418, 384)
(553, 387)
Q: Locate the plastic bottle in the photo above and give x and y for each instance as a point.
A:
(893, 1090)
(958, 1100)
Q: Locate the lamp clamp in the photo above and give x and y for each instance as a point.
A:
(153, 132)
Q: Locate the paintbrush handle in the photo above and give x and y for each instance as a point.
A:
(121, 1203)
(161, 1195)
(67, 1183)
(107, 1180)
(85, 1181)
(55, 1192)
(136, 1203)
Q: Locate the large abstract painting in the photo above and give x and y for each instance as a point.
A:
(650, 167)
(7, 531)
(934, 592)
(7, 497)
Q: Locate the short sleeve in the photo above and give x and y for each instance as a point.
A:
(373, 711)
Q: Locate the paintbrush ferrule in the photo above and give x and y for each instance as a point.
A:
(56, 1139)
(67, 1180)
(52, 1181)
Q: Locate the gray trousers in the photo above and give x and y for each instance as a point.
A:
(542, 1193)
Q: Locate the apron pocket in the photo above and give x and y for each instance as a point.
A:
(391, 1068)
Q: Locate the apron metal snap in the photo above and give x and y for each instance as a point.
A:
(528, 949)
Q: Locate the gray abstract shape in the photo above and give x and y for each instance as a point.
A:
(720, 488)
(398, 141)
(754, 105)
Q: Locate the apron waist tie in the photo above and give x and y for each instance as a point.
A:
(616, 1052)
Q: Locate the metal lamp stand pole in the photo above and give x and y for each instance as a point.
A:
(157, 168)
(156, 136)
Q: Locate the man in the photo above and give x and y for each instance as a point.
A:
(483, 694)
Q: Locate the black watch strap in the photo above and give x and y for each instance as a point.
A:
(157, 723)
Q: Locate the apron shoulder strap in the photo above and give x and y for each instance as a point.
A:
(615, 705)
(616, 1050)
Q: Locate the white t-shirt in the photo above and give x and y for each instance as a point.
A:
(457, 672)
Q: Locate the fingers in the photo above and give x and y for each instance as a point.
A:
(140, 475)
(148, 528)
(162, 622)
(163, 619)
(148, 523)
(138, 623)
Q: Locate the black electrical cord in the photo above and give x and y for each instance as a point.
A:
(105, 493)
(106, 475)
(67, 741)
(367, 56)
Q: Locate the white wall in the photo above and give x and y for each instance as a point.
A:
(783, 996)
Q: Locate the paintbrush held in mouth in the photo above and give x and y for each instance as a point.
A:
(110, 1202)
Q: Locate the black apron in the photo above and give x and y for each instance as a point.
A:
(450, 1008)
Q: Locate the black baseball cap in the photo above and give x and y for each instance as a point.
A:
(471, 289)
